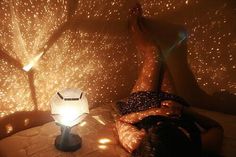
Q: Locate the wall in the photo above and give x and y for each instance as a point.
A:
(86, 45)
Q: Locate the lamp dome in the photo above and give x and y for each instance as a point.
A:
(69, 106)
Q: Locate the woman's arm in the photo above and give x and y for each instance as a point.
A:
(137, 116)
(129, 136)
(212, 137)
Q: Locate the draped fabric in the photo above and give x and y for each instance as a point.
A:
(86, 44)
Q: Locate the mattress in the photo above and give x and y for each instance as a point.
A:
(99, 138)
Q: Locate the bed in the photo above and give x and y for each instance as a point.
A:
(39, 141)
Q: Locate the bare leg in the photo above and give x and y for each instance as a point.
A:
(148, 80)
(150, 75)
(167, 83)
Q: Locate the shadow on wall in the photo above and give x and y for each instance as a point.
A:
(184, 80)
(183, 77)
(25, 119)
(21, 120)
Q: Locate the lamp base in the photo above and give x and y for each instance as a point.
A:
(68, 144)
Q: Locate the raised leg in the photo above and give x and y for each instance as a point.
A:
(148, 75)
(153, 75)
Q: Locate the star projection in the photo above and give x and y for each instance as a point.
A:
(86, 44)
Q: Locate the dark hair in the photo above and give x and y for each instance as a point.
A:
(165, 139)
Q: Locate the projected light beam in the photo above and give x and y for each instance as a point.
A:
(33, 62)
(182, 36)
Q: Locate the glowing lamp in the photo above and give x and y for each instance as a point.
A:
(68, 107)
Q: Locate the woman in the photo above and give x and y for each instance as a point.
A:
(154, 123)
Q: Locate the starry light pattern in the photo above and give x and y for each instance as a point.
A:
(94, 52)
(211, 38)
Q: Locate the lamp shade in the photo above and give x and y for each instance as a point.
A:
(69, 106)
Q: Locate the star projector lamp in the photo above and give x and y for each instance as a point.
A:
(68, 107)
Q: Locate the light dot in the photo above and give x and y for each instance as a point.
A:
(9, 128)
(26, 122)
(104, 141)
(102, 146)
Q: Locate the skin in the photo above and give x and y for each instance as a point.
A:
(145, 38)
(150, 39)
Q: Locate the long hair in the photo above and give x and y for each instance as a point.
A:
(165, 138)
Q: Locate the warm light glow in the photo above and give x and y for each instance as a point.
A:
(32, 62)
(9, 128)
(104, 140)
(69, 107)
(102, 146)
(26, 122)
(68, 115)
(99, 120)
(83, 124)
(98, 57)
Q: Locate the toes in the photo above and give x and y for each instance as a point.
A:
(138, 28)
(134, 15)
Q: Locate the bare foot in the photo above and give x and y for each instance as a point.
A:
(141, 35)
